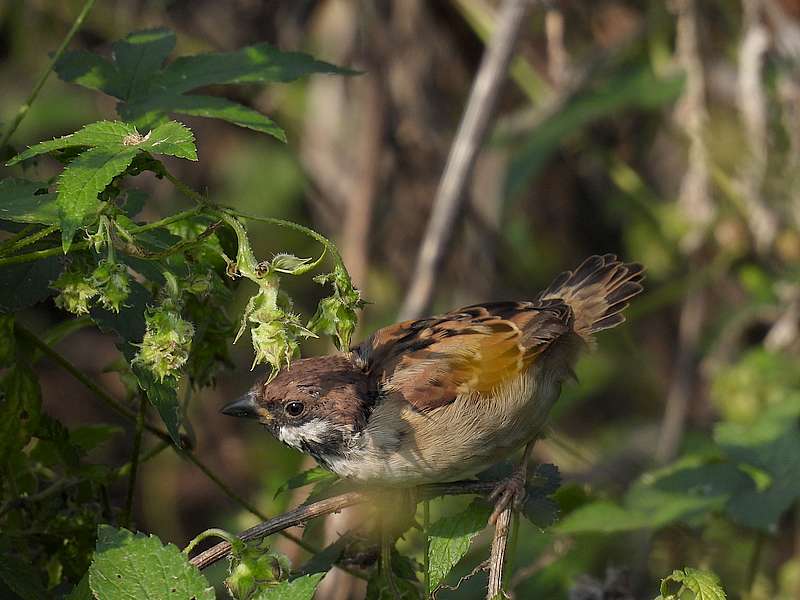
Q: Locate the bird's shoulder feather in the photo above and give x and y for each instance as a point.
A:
(429, 362)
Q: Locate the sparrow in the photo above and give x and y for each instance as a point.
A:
(442, 398)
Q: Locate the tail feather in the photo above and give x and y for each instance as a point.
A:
(597, 292)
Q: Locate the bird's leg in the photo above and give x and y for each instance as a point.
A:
(511, 491)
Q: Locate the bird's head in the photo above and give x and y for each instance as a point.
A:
(314, 406)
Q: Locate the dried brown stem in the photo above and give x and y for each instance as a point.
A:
(497, 558)
(474, 125)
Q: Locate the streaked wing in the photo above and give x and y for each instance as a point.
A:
(475, 349)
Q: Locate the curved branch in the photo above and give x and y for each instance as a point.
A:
(304, 513)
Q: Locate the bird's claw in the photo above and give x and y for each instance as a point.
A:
(509, 493)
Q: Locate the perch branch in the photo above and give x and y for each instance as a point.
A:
(497, 557)
(464, 151)
(307, 512)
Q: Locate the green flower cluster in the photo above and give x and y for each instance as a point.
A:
(167, 341)
(336, 315)
(253, 569)
(109, 283)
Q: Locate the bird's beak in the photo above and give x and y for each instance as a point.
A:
(245, 406)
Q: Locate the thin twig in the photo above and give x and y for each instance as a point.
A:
(35, 237)
(498, 554)
(137, 445)
(10, 242)
(99, 392)
(124, 412)
(23, 110)
(474, 125)
(327, 506)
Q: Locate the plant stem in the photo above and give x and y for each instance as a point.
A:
(426, 523)
(137, 445)
(226, 489)
(10, 242)
(39, 254)
(150, 454)
(329, 246)
(307, 512)
(35, 237)
(753, 564)
(99, 392)
(23, 110)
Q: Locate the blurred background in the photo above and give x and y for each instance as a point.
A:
(665, 132)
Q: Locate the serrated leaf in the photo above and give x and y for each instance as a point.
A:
(305, 478)
(90, 71)
(129, 326)
(149, 92)
(215, 107)
(450, 538)
(302, 588)
(704, 585)
(108, 134)
(130, 566)
(139, 56)
(80, 183)
(26, 284)
(163, 396)
(252, 64)
(172, 138)
(20, 203)
(539, 508)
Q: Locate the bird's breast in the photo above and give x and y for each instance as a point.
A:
(404, 446)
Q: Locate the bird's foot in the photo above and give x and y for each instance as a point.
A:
(509, 493)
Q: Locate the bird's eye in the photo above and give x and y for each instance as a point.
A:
(294, 409)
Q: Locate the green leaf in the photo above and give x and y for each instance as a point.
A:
(26, 284)
(138, 58)
(704, 585)
(302, 588)
(20, 203)
(214, 107)
(80, 183)
(20, 408)
(21, 578)
(108, 134)
(539, 508)
(130, 566)
(252, 64)
(306, 478)
(450, 538)
(149, 92)
(90, 71)
(658, 499)
(771, 445)
(81, 591)
(89, 437)
(8, 346)
(172, 138)
(129, 325)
